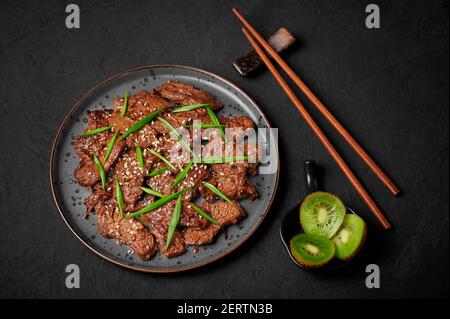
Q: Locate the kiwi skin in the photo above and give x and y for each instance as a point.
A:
(306, 263)
(361, 245)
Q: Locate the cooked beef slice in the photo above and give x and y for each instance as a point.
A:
(141, 104)
(186, 94)
(235, 187)
(125, 231)
(86, 146)
(145, 137)
(181, 119)
(205, 193)
(158, 221)
(161, 183)
(190, 218)
(87, 173)
(176, 248)
(131, 175)
(96, 197)
(141, 203)
(197, 237)
(224, 212)
(231, 178)
(194, 178)
(242, 122)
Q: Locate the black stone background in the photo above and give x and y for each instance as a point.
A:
(389, 87)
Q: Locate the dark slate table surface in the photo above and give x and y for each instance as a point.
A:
(388, 86)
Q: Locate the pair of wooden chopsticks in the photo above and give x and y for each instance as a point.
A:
(254, 38)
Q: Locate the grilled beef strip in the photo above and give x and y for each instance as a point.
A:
(186, 94)
(141, 104)
(190, 218)
(194, 178)
(131, 175)
(223, 212)
(87, 173)
(158, 223)
(125, 231)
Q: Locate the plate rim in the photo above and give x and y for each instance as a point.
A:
(113, 77)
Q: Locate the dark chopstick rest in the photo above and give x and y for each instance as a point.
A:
(279, 41)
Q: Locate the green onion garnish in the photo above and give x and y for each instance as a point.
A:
(189, 107)
(119, 197)
(101, 171)
(204, 215)
(215, 121)
(182, 175)
(176, 134)
(220, 160)
(152, 192)
(155, 153)
(110, 147)
(204, 126)
(125, 104)
(139, 157)
(174, 222)
(96, 131)
(160, 202)
(139, 124)
(158, 171)
(216, 191)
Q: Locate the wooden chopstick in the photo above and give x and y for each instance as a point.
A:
(320, 134)
(378, 171)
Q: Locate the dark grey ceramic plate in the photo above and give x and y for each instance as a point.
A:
(69, 195)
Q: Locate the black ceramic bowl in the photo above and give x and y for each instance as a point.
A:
(290, 225)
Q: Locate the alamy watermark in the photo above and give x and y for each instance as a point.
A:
(73, 17)
(373, 277)
(373, 18)
(236, 145)
(73, 277)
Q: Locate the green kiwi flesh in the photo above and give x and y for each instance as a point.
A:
(312, 251)
(322, 214)
(350, 237)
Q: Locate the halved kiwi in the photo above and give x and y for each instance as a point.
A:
(312, 251)
(350, 237)
(322, 214)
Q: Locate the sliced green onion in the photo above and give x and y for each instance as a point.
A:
(204, 215)
(152, 192)
(119, 197)
(139, 157)
(160, 202)
(139, 124)
(155, 153)
(215, 121)
(125, 104)
(95, 131)
(173, 222)
(158, 171)
(110, 146)
(182, 175)
(101, 171)
(220, 160)
(216, 191)
(204, 126)
(189, 107)
(180, 138)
